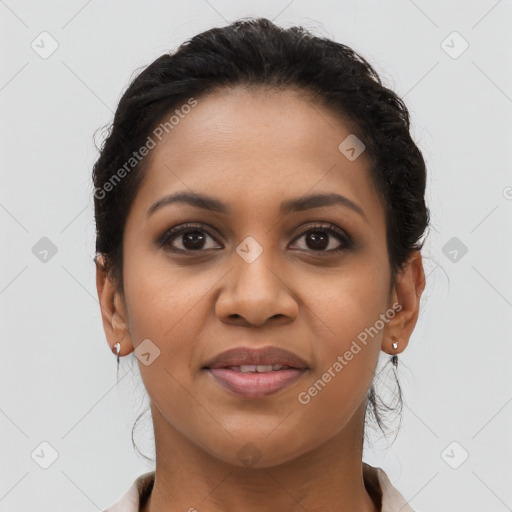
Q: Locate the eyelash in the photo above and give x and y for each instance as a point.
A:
(330, 229)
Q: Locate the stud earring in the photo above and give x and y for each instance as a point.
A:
(117, 348)
(394, 358)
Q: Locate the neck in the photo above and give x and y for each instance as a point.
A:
(328, 478)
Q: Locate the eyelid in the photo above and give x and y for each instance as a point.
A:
(323, 225)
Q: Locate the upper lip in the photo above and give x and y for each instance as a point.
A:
(263, 356)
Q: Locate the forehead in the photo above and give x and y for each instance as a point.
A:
(253, 148)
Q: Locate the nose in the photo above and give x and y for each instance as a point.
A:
(255, 293)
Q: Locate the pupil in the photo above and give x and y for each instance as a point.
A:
(323, 238)
(194, 240)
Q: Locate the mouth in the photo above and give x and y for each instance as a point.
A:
(258, 368)
(252, 373)
(255, 384)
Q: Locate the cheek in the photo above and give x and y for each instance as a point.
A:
(156, 297)
(172, 316)
(349, 331)
(167, 305)
(349, 303)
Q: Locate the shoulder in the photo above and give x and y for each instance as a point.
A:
(391, 499)
(131, 500)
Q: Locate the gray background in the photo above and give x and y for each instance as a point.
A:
(58, 381)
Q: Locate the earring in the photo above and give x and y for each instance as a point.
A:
(117, 347)
(394, 358)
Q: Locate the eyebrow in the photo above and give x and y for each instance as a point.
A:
(289, 206)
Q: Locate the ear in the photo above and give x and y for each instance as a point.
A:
(407, 293)
(113, 311)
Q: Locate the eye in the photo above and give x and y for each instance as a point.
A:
(192, 237)
(319, 238)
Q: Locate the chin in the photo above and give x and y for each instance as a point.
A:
(255, 452)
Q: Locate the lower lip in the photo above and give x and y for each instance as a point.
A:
(254, 384)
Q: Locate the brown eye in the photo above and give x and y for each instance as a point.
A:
(320, 239)
(191, 237)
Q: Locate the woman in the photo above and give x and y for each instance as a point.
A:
(259, 203)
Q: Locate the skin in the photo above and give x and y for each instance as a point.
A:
(252, 149)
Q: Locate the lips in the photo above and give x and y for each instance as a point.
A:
(240, 358)
(256, 373)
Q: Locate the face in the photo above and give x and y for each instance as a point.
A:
(251, 274)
